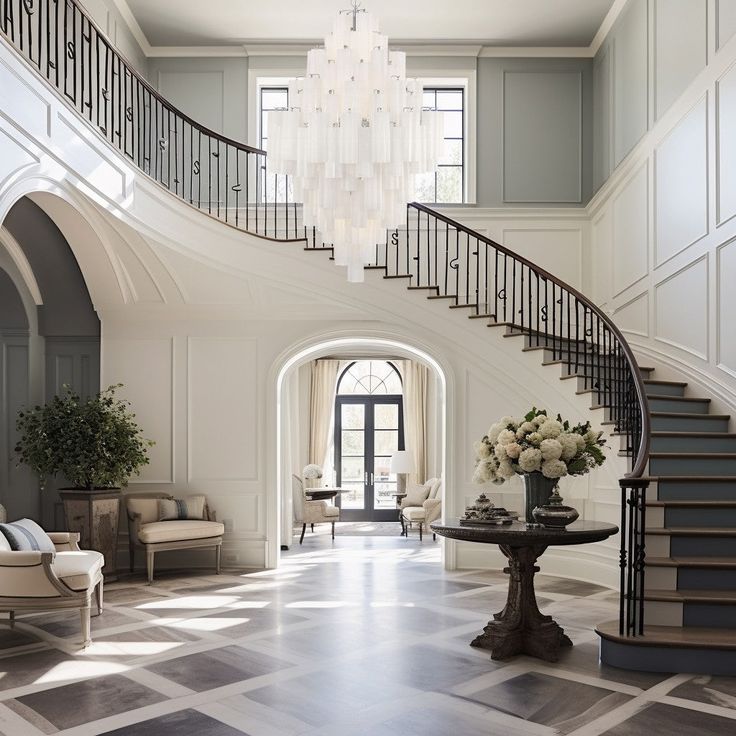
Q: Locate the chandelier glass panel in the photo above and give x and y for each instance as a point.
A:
(353, 140)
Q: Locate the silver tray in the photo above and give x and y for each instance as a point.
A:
(488, 522)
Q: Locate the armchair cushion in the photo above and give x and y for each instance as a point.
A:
(191, 507)
(78, 570)
(414, 513)
(146, 507)
(416, 495)
(25, 535)
(176, 531)
(317, 511)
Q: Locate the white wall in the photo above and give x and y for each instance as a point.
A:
(664, 224)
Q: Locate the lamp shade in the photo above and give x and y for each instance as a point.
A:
(402, 461)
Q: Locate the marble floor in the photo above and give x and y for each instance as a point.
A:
(364, 637)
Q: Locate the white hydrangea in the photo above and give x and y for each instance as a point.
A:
(535, 438)
(569, 446)
(486, 470)
(554, 469)
(513, 450)
(494, 431)
(526, 427)
(505, 421)
(592, 436)
(539, 420)
(551, 449)
(506, 437)
(579, 441)
(550, 429)
(482, 449)
(500, 451)
(505, 470)
(530, 460)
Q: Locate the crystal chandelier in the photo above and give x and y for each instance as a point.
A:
(353, 139)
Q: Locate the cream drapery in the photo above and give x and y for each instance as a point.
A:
(416, 380)
(321, 408)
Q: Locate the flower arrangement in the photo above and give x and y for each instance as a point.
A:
(537, 444)
(311, 472)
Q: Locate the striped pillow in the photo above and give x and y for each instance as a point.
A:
(174, 509)
(25, 536)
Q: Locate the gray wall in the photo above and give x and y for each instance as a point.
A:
(534, 117)
(654, 51)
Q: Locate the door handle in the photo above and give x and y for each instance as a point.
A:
(371, 478)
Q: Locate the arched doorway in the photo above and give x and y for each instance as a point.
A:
(375, 346)
(368, 429)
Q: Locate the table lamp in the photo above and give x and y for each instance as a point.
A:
(402, 463)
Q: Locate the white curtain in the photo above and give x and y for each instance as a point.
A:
(322, 408)
(416, 379)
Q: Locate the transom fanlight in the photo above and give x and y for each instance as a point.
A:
(353, 139)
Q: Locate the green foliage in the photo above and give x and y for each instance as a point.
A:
(94, 443)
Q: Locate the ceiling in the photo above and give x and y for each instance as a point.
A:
(489, 22)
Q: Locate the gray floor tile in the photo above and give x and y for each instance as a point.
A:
(658, 719)
(709, 689)
(182, 723)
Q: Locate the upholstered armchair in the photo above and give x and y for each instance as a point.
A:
(44, 581)
(421, 506)
(311, 512)
(146, 531)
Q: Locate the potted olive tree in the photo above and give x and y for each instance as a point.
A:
(95, 445)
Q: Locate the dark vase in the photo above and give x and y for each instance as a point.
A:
(537, 490)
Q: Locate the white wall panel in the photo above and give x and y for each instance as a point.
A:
(680, 47)
(726, 278)
(557, 251)
(726, 20)
(601, 257)
(681, 309)
(681, 185)
(726, 147)
(146, 368)
(34, 113)
(631, 231)
(222, 422)
(633, 317)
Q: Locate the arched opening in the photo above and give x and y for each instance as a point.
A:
(290, 394)
(50, 337)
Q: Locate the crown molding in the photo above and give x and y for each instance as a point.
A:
(412, 47)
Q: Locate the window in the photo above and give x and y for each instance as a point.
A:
(271, 97)
(447, 184)
(370, 377)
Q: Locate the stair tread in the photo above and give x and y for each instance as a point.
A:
(688, 415)
(694, 504)
(672, 636)
(690, 478)
(685, 596)
(714, 562)
(693, 531)
(671, 433)
(665, 383)
(667, 397)
(671, 455)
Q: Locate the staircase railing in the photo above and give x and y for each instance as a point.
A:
(230, 181)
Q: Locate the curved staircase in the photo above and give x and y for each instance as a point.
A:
(678, 546)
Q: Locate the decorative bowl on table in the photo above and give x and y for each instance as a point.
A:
(484, 512)
(554, 514)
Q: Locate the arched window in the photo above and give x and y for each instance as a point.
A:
(370, 377)
(369, 428)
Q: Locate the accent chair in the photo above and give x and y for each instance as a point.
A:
(311, 512)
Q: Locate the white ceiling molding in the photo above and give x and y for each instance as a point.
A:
(412, 47)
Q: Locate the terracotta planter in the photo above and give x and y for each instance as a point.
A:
(95, 515)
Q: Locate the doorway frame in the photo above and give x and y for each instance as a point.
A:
(369, 344)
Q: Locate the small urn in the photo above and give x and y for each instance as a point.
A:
(554, 513)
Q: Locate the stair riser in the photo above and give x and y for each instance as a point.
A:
(678, 517)
(697, 578)
(688, 424)
(693, 444)
(696, 491)
(682, 407)
(664, 389)
(692, 466)
(702, 546)
(665, 613)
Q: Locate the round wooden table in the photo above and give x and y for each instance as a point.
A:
(520, 628)
(322, 494)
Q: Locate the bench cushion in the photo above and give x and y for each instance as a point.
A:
(78, 570)
(179, 531)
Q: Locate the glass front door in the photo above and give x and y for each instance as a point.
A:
(368, 429)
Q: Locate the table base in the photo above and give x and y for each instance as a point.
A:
(520, 628)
